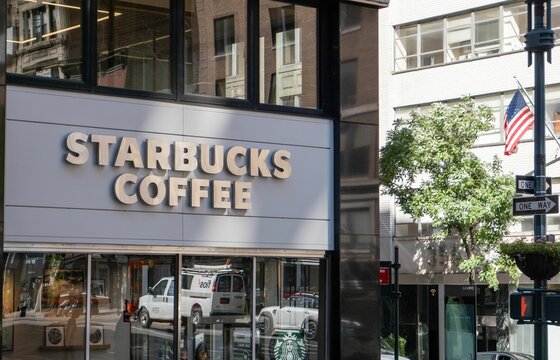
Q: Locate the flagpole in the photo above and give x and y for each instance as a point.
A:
(533, 105)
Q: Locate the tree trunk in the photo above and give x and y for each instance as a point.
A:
(468, 244)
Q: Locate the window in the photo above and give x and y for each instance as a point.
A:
(45, 39)
(215, 64)
(139, 51)
(287, 298)
(406, 48)
(171, 290)
(487, 32)
(459, 37)
(515, 26)
(553, 107)
(467, 36)
(159, 289)
(282, 20)
(224, 284)
(224, 35)
(288, 54)
(221, 87)
(186, 281)
(555, 20)
(133, 45)
(348, 82)
(431, 43)
(217, 320)
(414, 229)
(238, 284)
(45, 307)
(350, 18)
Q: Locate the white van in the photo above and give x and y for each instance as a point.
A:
(205, 291)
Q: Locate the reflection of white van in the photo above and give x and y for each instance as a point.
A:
(206, 290)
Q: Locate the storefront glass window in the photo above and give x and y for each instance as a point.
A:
(45, 38)
(288, 54)
(215, 48)
(216, 308)
(288, 308)
(132, 307)
(44, 306)
(133, 45)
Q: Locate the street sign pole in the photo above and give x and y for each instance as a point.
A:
(539, 40)
(397, 294)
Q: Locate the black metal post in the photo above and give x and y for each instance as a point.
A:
(539, 39)
(3, 27)
(396, 295)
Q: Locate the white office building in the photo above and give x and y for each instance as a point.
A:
(439, 51)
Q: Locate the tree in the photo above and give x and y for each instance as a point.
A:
(428, 166)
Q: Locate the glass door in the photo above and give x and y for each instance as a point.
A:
(460, 322)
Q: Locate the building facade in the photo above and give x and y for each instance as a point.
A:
(440, 53)
(190, 179)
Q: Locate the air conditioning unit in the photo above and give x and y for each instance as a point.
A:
(54, 336)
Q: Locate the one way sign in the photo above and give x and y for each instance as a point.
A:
(526, 184)
(536, 205)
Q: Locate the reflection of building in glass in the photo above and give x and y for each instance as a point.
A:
(44, 38)
(133, 45)
(215, 48)
(288, 65)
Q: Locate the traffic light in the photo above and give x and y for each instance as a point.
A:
(521, 306)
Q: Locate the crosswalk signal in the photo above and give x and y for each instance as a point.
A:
(521, 306)
(552, 307)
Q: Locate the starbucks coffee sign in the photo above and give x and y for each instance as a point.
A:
(178, 156)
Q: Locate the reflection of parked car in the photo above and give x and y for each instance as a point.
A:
(206, 290)
(299, 311)
(499, 355)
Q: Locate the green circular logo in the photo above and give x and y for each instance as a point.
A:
(290, 346)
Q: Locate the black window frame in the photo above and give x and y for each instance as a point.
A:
(88, 83)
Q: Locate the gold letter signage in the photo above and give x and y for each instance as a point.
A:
(180, 156)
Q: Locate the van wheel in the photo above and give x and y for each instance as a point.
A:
(196, 315)
(144, 318)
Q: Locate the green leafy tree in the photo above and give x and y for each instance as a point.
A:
(428, 166)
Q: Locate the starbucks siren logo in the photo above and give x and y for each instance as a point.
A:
(290, 346)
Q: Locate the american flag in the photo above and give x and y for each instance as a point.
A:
(517, 120)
